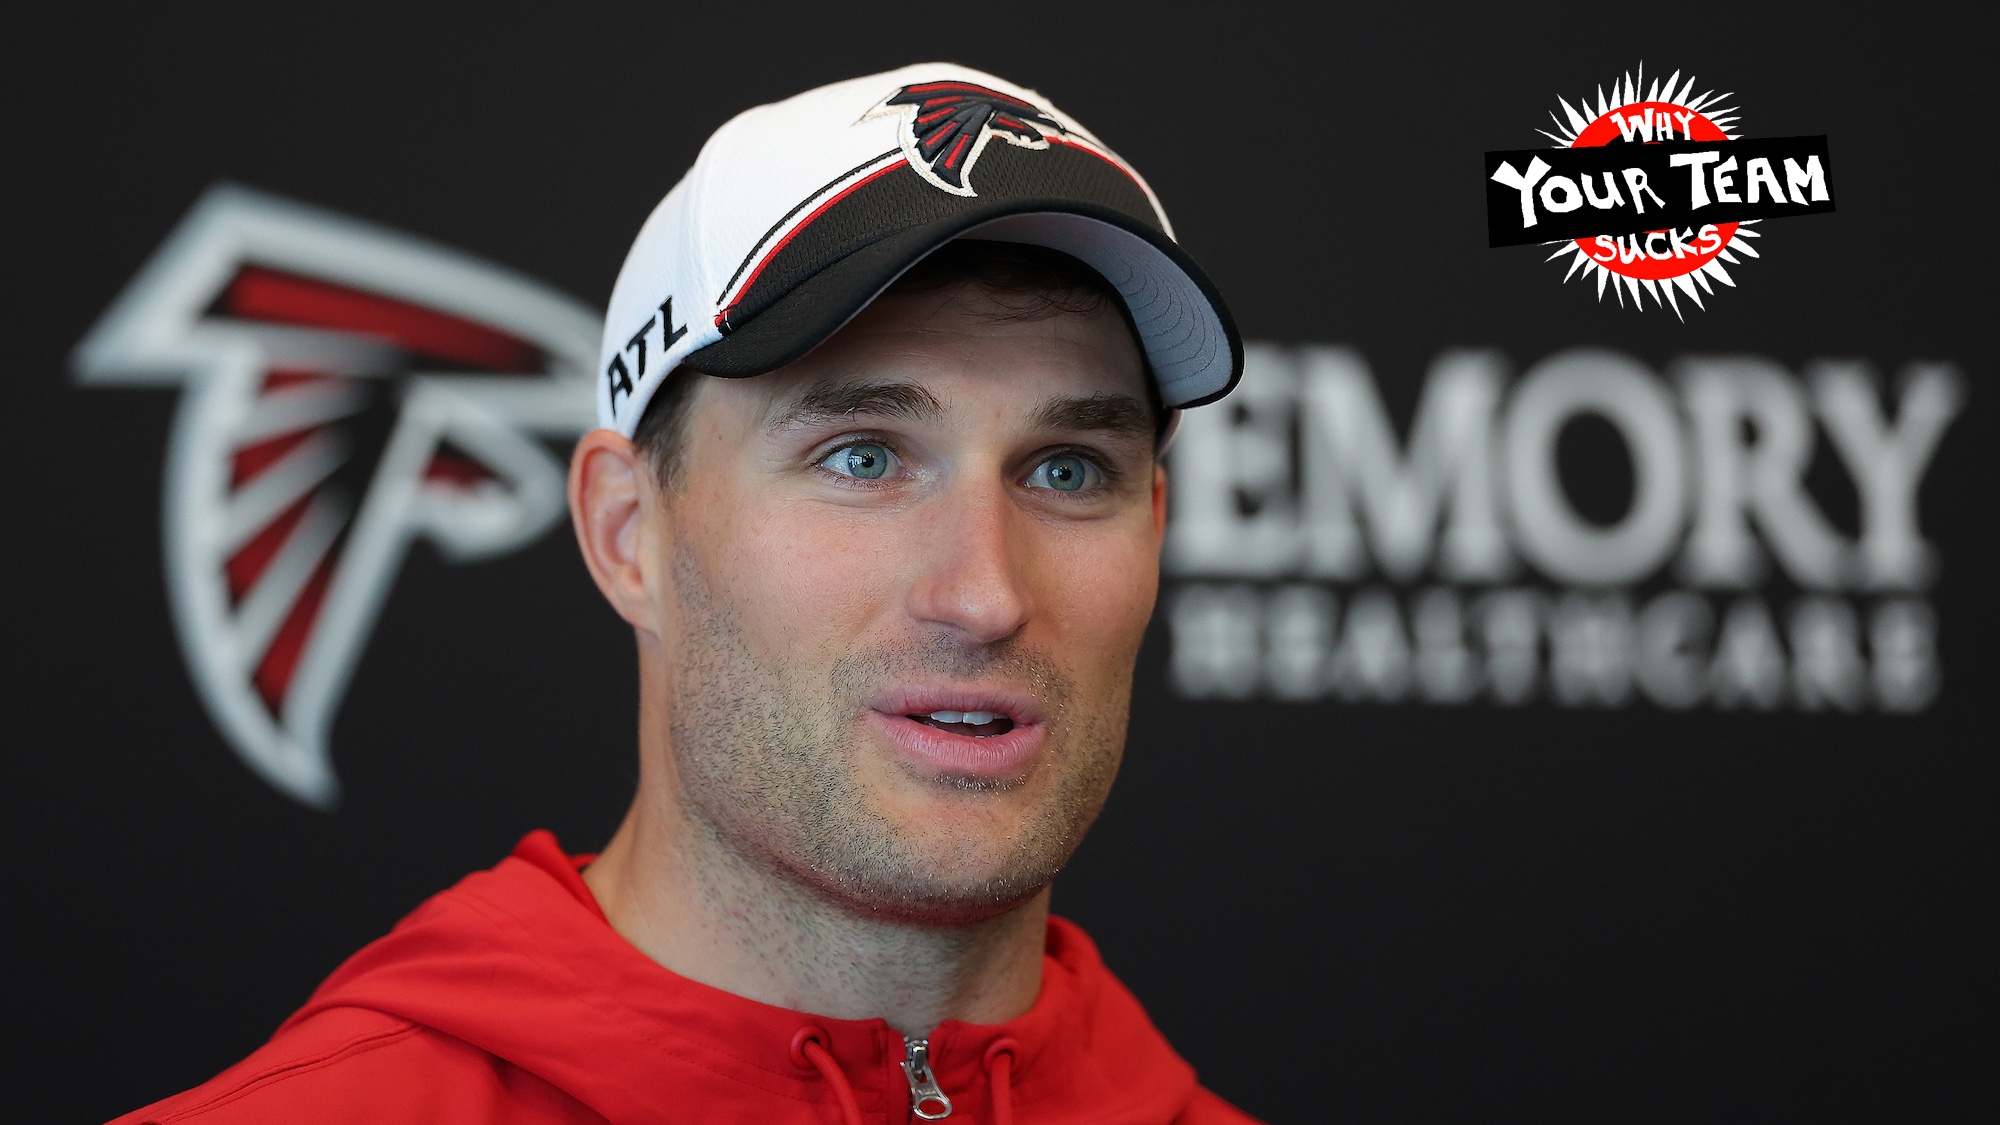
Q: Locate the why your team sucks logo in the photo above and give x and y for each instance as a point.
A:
(345, 390)
(1651, 190)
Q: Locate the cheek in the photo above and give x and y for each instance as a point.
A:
(800, 577)
(1096, 588)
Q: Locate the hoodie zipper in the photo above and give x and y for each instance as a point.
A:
(926, 1100)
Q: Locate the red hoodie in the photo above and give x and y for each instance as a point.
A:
(509, 998)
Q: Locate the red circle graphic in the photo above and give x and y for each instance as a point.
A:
(1651, 254)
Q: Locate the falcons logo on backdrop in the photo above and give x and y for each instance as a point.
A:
(946, 126)
(345, 389)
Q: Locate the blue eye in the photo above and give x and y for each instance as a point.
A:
(863, 461)
(1064, 473)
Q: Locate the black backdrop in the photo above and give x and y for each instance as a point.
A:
(1360, 912)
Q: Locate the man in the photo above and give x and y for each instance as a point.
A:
(883, 389)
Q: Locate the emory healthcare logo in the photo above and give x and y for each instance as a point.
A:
(946, 126)
(1666, 210)
(345, 390)
(1318, 554)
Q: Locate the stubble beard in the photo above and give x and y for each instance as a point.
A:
(767, 755)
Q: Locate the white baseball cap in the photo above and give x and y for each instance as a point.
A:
(797, 214)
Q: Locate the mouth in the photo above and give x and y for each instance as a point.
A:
(961, 734)
(972, 724)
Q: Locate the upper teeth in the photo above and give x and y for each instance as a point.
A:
(973, 718)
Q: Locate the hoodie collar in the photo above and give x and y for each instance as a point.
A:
(520, 962)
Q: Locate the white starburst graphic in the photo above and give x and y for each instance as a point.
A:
(1635, 111)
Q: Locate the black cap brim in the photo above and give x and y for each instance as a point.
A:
(1184, 327)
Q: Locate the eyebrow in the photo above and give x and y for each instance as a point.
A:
(1122, 415)
(827, 402)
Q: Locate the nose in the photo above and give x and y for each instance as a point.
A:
(973, 576)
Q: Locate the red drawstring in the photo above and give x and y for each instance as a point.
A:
(809, 1049)
(1000, 1069)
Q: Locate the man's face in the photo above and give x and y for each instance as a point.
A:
(909, 575)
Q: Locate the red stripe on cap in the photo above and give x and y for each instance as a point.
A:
(806, 222)
(1136, 182)
(257, 293)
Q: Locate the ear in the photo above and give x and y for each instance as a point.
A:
(1159, 504)
(611, 498)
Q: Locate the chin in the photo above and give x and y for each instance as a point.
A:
(940, 862)
(944, 899)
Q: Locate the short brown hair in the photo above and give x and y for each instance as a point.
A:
(1027, 282)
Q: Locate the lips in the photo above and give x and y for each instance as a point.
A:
(982, 734)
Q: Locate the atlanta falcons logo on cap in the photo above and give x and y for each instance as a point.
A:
(346, 389)
(946, 126)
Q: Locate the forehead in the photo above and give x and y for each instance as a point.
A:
(963, 343)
